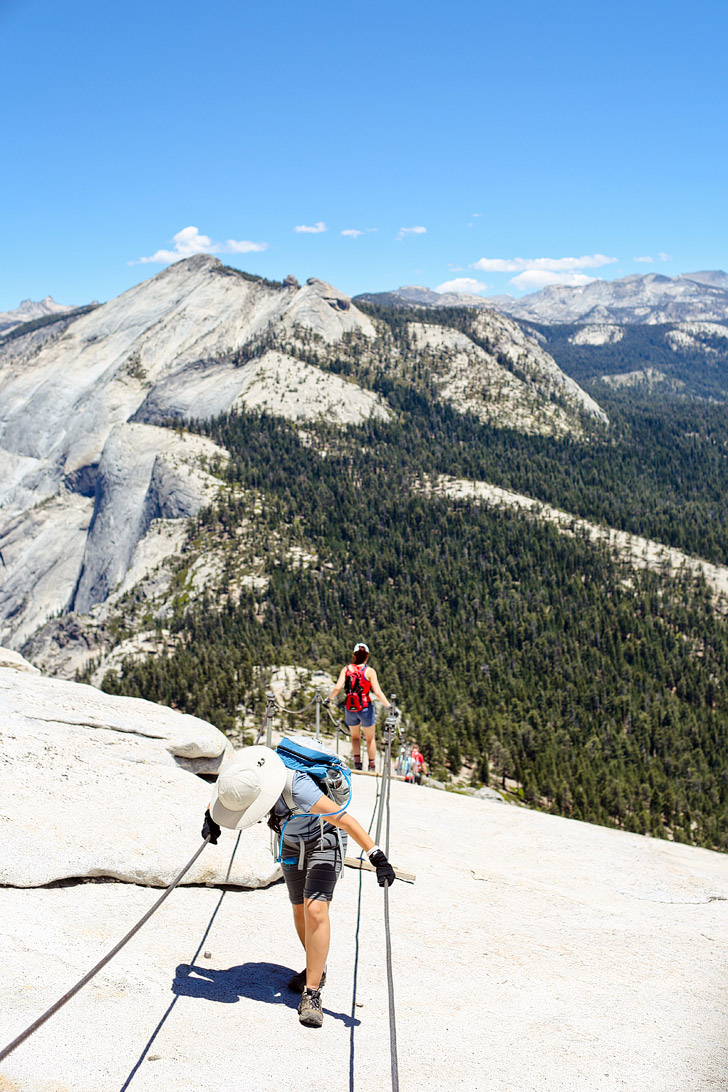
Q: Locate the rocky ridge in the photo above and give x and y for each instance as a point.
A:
(637, 551)
(91, 490)
(640, 298)
(503, 376)
(96, 495)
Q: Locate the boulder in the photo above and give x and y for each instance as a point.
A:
(13, 660)
(489, 794)
(96, 785)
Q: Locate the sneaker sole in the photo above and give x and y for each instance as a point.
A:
(309, 1022)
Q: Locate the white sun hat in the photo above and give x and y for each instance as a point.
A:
(248, 788)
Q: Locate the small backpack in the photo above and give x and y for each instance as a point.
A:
(328, 771)
(352, 686)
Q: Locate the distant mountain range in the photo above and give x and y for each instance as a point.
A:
(639, 299)
(29, 310)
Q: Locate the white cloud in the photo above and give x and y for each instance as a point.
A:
(554, 265)
(664, 257)
(189, 241)
(353, 233)
(533, 279)
(411, 231)
(311, 229)
(650, 261)
(462, 284)
(242, 246)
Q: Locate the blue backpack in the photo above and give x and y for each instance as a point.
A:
(330, 774)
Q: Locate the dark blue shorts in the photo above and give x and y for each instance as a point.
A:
(364, 716)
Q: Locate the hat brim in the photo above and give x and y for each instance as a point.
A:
(273, 778)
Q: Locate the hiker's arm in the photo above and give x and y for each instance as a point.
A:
(347, 822)
(384, 870)
(376, 688)
(339, 684)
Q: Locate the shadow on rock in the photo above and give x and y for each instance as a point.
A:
(267, 982)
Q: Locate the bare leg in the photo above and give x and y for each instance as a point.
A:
(318, 935)
(371, 739)
(356, 741)
(299, 920)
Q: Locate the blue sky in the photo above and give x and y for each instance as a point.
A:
(464, 142)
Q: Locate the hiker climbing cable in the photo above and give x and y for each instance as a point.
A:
(359, 681)
(312, 828)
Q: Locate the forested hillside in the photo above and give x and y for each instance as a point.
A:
(527, 653)
(689, 358)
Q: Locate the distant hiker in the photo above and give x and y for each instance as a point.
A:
(415, 765)
(358, 681)
(253, 786)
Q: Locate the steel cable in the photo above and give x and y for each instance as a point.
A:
(176, 997)
(388, 940)
(102, 963)
(295, 712)
(384, 800)
(356, 949)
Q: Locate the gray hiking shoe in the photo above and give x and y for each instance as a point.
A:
(310, 1012)
(298, 983)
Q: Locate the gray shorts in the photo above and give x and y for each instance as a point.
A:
(321, 869)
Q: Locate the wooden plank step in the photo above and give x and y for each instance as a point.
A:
(363, 865)
(373, 773)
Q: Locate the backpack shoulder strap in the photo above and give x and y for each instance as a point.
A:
(287, 793)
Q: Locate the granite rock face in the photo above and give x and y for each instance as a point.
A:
(95, 785)
(587, 958)
(13, 660)
(84, 473)
(504, 376)
(145, 474)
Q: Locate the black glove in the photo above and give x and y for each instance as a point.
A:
(326, 703)
(385, 872)
(211, 829)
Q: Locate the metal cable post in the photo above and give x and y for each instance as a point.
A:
(388, 734)
(269, 714)
(318, 712)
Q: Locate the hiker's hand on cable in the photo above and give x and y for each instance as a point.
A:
(326, 703)
(210, 829)
(385, 872)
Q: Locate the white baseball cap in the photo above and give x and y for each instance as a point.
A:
(361, 645)
(248, 788)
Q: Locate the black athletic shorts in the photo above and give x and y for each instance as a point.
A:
(321, 870)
